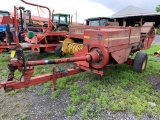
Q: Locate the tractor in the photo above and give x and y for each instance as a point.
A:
(62, 21)
(97, 21)
(101, 21)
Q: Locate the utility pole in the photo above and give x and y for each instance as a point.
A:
(76, 16)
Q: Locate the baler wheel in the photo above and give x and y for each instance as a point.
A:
(140, 62)
(58, 50)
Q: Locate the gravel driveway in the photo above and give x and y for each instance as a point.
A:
(156, 40)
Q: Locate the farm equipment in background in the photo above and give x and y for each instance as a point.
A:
(7, 18)
(29, 36)
(101, 47)
(62, 21)
(11, 30)
(47, 40)
(3, 24)
(101, 21)
(29, 20)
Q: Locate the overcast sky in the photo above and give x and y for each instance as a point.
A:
(117, 5)
(85, 8)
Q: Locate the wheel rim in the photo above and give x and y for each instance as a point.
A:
(144, 64)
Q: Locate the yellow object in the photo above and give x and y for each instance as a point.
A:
(157, 53)
(13, 52)
(69, 47)
(156, 30)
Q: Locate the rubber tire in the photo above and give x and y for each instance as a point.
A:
(58, 51)
(63, 28)
(138, 62)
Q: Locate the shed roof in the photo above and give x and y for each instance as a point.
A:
(130, 11)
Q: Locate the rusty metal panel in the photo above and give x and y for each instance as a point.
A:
(77, 31)
(121, 56)
(108, 37)
(118, 37)
(135, 35)
(96, 36)
(151, 24)
(117, 48)
(145, 29)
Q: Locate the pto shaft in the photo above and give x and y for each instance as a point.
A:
(88, 57)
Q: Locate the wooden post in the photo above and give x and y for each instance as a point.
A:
(141, 20)
(124, 23)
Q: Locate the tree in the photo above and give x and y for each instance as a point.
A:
(158, 8)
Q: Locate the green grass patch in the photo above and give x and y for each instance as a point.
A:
(152, 49)
(24, 117)
(48, 113)
(2, 115)
(16, 114)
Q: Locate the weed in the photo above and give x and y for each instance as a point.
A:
(13, 92)
(16, 114)
(48, 113)
(17, 104)
(1, 100)
(75, 99)
(84, 97)
(84, 114)
(2, 115)
(71, 110)
(31, 88)
(48, 84)
(26, 111)
(55, 94)
(24, 117)
(45, 90)
(38, 92)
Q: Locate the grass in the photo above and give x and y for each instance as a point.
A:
(16, 104)
(48, 113)
(24, 117)
(71, 110)
(120, 89)
(2, 115)
(16, 114)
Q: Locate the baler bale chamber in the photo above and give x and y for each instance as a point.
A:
(101, 47)
(75, 39)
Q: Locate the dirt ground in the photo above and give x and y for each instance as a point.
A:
(30, 105)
